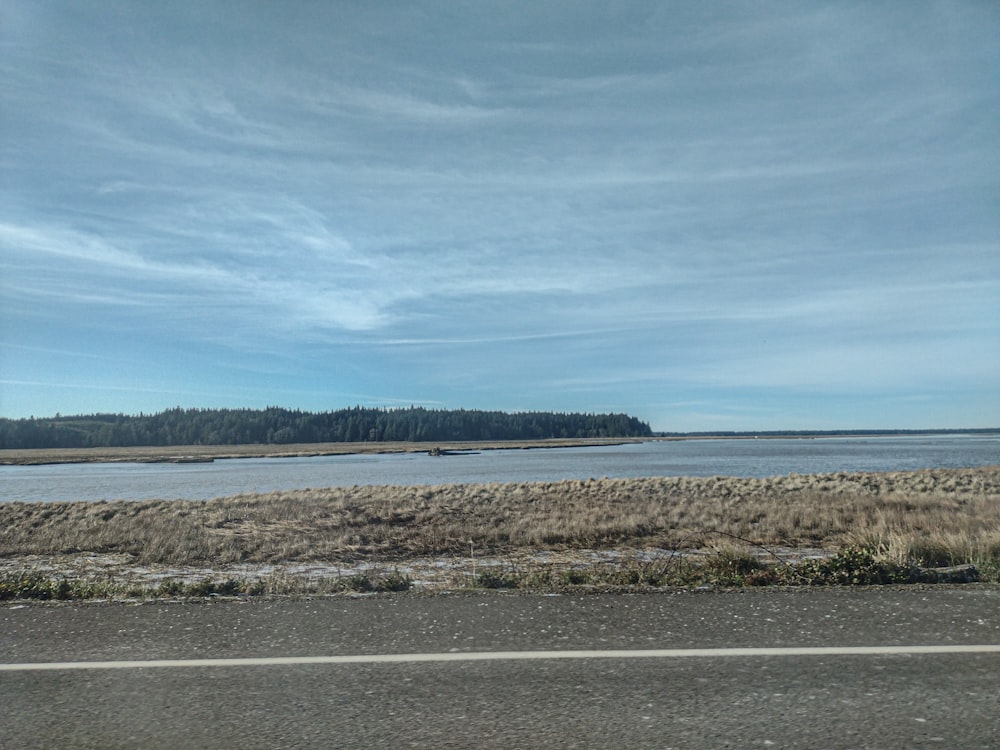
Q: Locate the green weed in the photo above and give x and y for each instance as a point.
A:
(498, 579)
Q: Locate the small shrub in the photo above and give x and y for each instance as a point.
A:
(540, 578)
(497, 579)
(730, 568)
(208, 587)
(989, 571)
(36, 585)
(634, 574)
(628, 576)
(395, 581)
(25, 585)
(171, 587)
(360, 582)
(370, 582)
(229, 587)
(853, 566)
(576, 577)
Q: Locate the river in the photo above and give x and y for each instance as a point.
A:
(722, 457)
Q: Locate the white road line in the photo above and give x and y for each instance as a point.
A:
(458, 656)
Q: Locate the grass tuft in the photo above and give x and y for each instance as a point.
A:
(864, 528)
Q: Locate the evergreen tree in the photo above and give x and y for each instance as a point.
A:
(280, 426)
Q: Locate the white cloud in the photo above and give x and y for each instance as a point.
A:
(613, 201)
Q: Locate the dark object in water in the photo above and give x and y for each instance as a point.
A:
(444, 452)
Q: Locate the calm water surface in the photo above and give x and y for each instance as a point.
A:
(740, 458)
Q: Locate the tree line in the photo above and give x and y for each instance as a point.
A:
(275, 425)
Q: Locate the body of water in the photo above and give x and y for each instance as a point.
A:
(723, 457)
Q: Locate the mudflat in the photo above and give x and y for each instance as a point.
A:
(181, 453)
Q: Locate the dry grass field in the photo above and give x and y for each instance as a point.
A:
(927, 518)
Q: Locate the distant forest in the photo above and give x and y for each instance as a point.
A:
(281, 426)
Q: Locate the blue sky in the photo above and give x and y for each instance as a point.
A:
(708, 215)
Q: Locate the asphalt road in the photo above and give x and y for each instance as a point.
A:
(713, 700)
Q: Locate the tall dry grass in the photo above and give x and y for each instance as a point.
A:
(939, 516)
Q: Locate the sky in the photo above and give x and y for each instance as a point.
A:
(711, 216)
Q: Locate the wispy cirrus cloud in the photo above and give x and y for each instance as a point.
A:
(477, 208)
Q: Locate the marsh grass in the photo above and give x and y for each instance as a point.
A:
(33, 584)
(725, 527)
(850, 566)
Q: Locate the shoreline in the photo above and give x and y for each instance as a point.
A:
(209, 453)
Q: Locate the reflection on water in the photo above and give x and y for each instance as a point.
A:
(744, 458)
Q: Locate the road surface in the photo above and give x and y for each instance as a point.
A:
(674, 670)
